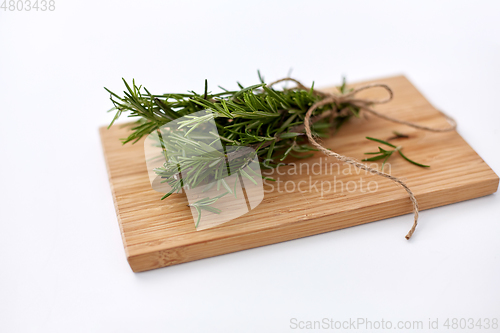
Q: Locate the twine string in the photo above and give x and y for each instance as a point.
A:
(363, 104)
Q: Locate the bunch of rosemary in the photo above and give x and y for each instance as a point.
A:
(268, 120)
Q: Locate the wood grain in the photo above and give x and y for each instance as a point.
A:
(161, 233)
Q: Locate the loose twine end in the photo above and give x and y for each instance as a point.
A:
(363, 104)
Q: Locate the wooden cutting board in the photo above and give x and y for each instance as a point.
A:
(162, 233)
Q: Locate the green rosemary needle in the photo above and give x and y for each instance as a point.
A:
(385, 154)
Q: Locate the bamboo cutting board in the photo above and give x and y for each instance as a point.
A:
(162, 233)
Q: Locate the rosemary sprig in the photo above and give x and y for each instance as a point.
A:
(385, 154)
(205, 204)
(269, 120)
(246, 116)
(398, 135)
(266, 119)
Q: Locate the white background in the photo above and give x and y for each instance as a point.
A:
(62, 265)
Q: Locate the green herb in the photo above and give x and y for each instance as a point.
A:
(258, 116)
(385, 154)
(205, 204)
(398, 135)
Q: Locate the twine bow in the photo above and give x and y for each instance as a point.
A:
(363, 104)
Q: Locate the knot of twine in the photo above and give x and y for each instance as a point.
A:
(349, 98)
